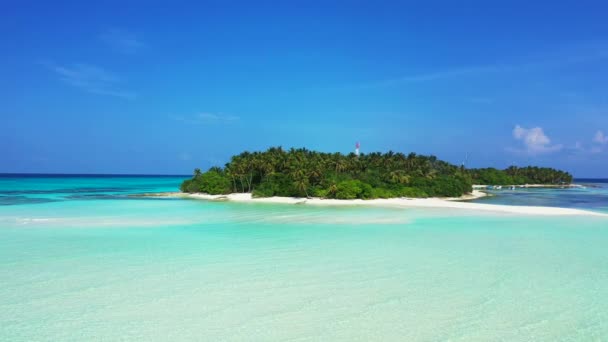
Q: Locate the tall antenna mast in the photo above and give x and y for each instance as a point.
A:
(466, 159)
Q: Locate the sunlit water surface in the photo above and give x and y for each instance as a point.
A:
(81, 260)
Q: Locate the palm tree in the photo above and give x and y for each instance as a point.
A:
(399, 177)
(297, 170)
(301, 185)
(340, 163)
(232, 176)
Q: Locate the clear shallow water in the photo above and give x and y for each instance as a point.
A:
(163, 269)
(33, 189)
(594, 196)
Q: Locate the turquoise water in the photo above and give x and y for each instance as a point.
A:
(112, 267)
(593, 195)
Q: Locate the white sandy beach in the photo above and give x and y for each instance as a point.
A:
(451, 203)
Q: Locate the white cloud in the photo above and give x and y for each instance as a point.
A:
(596, 149)
(206, 118)
(91, 79)
(535, 141)
(424, 77)
(585, 53)
(121, 41)
(600, 138)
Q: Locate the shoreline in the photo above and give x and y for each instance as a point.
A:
(445, 203)
(532, 186)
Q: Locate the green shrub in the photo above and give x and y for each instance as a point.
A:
(191, 185)
(382, 193)
(366, 191)
(349, 189)
(265, 189)
(184, 186)
(320, 192)
(214, 183)
(411, 192)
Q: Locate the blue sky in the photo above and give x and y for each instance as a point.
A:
(130, 87)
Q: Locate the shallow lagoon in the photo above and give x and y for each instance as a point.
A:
(169, 269)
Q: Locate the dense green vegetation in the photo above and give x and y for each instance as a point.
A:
(518, 176)
(300, 172)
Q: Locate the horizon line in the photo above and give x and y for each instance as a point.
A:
(5, 174)
(2, 174)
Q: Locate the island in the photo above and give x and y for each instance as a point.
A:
(302, 173)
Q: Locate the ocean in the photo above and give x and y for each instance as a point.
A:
(593, 195)
(81, 259)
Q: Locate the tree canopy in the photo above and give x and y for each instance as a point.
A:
(518, 176)
(303, 173)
